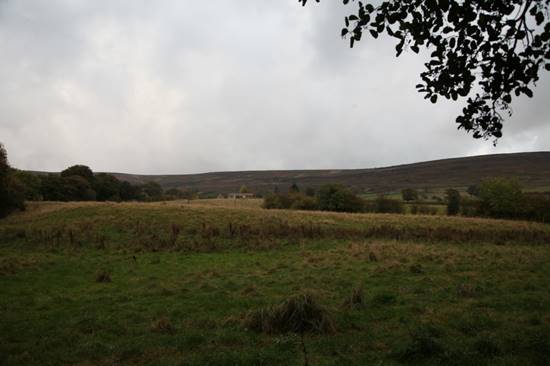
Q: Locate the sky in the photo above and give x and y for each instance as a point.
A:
(180, 86)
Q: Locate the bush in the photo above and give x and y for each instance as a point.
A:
(501, 197)
(294, 201)
(473, 190)
(303, 202)
(333, 197)
(79, 170)
(384, 205)
(409, 194)
(423, 210)
(536, 206)
(469, 207)
(277, 201)
(453, 201)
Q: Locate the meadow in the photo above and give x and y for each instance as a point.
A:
(222, 282)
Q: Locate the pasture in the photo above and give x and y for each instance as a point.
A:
(219, 282)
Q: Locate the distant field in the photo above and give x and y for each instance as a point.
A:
(204, 283)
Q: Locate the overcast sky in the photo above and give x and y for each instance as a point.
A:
(180, 86)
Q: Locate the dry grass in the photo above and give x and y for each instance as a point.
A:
(163, 325)
(356, 300)
(298, 314)
(102, 277)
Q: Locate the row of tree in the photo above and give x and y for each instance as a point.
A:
(76, 183)
(497, 198)
(79, 183)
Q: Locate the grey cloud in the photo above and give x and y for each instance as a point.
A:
(182, 87)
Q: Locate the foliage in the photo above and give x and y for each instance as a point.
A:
(177, 193)
(383, 204)
(11, 189)
(421, 209)
(52, 188)
(152, 191)
(453, 201)
(310, 192)
(334, 197)
(129, 192)
(295, 201)
(277, 201)
(303, 202)
(469, 207)
(536, 206)
(79, 170)
(244, 189)
(294, 188)
(30, 185)
(409, 194)
(473, 190)
(107, 187)
(500, 197)
(77, 188)
(484, 50)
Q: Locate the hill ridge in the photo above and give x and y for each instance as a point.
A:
(532, 169)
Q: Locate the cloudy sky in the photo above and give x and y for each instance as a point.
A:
(180, 86)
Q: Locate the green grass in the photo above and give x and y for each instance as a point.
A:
(186, 301)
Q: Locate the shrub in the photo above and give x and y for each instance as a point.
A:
(294, 188)
(501, 197)
(277, 201)
(469, 207)
(333, 197)
(303, 202)
(473, 190)
(423, 210)
(80, 171)
(536, 206)
(385, 205)
(294, 201)
(409, 194)
(453, 201)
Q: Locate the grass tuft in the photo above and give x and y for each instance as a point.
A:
(103, 277)
(163, 325)
(356, 300)
(298, 314)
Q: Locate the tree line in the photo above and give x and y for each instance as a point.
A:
(76, 183)
(495, 198)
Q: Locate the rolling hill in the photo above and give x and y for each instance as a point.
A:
(531, 169)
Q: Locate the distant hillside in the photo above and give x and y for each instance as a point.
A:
(532, 170)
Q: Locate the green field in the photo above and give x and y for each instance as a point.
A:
(219, 282)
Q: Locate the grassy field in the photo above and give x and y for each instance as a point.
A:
(218, 282)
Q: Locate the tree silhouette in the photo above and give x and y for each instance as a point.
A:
(487, 51)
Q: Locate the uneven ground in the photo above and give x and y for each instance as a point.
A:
(187, 282)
